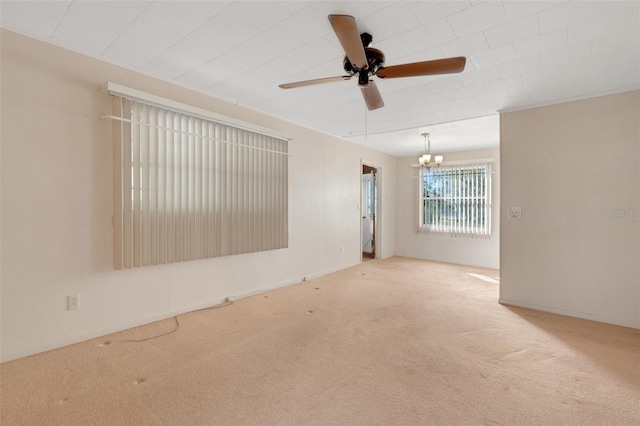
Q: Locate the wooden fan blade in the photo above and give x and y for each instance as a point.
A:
(347, 31)
(438, 66)
(372, 96)
(315, 81)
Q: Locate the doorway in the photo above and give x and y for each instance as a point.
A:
(369, 210)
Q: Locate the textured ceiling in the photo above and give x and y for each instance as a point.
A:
(519, 54)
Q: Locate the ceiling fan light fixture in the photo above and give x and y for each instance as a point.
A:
(368, 61)
(363, 78)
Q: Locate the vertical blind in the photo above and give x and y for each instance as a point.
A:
(187, 187)
(456, 200)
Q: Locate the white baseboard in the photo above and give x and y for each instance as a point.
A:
(290, 282)
(105, 331)
(582, 315)
(158, 317)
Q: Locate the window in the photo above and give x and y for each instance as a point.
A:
(188, 187)
(456, 200)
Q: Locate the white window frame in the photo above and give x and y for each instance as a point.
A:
(456, 211)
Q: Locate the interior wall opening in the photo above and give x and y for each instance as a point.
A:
(369, 210)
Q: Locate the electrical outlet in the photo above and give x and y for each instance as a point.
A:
(514, 212)
(342, 250)
(73, 302)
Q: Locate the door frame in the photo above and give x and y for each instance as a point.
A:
(378, 220)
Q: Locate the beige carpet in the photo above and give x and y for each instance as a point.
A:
(392, 342)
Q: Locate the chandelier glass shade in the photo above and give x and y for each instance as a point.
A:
(424, 159)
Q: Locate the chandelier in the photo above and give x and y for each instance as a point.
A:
(425, 159)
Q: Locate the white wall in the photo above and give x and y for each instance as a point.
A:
(56, 230)
(574, 169)
(440, 247)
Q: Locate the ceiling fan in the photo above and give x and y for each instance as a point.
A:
(367, 61)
